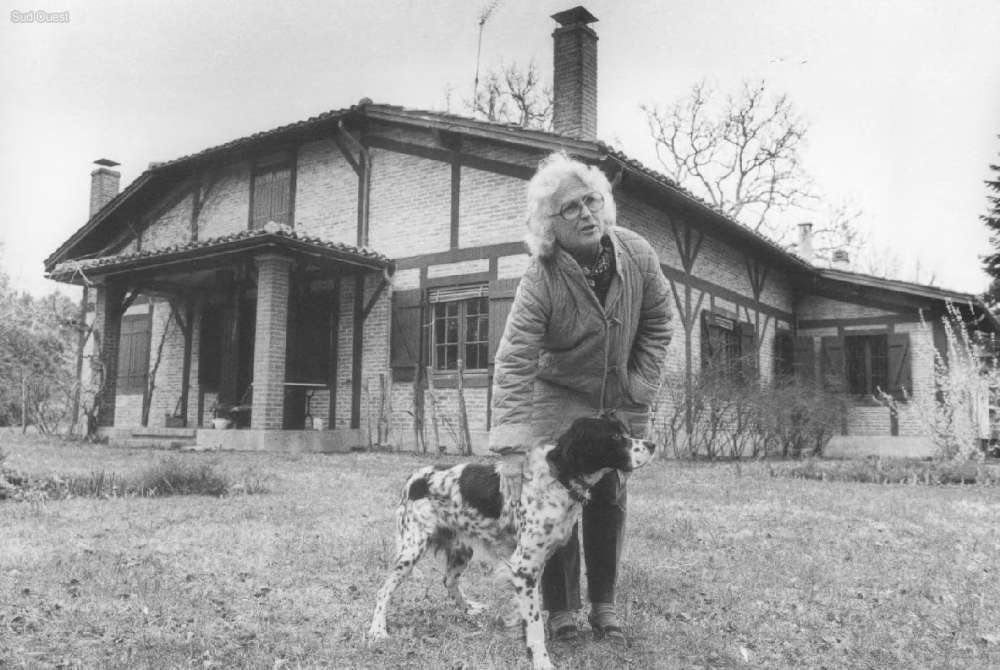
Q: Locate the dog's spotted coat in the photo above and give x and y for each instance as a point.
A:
(449, 509)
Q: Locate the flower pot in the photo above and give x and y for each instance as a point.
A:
(220, 424)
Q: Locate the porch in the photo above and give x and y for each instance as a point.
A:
(269, 328)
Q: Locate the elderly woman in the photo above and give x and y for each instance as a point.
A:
(587, 333)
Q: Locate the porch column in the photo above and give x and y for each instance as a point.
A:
(108, 325)
(273, 284)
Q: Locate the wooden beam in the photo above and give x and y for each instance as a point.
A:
(357, 349)
(334, 365)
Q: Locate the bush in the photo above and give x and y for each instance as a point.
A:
(171, 476)
(892, 471)
(736, 418)
(954, 410)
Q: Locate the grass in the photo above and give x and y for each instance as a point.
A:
(725, 567)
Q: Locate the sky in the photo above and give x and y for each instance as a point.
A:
(902, 97)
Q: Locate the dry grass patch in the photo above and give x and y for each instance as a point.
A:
(725, 567)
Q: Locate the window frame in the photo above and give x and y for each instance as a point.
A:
(461, 318)
(861, 343)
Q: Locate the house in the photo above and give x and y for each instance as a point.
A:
(336, 272)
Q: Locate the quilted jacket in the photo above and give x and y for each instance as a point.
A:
(563, 355)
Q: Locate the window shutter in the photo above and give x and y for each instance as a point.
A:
(804, 360)
(900, 378)
(748, 349)
(501, 298)
(133, 353)
(706, 341)
(272, 197)
(832, 363)
(406, 340)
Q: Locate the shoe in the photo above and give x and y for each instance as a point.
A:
(562, 627)
(611, 631)
(566, 633)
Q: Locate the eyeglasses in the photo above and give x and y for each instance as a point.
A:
(571, 211)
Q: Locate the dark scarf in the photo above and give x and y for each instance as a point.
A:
(599, 273)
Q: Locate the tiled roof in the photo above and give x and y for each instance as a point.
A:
(925, 290)
(269, 232)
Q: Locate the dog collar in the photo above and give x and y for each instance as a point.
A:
(576, 486)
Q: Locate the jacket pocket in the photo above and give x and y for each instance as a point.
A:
(639, 390)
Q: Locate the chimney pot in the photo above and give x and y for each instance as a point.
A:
(104, 183)
(841, 259)
(574, 108)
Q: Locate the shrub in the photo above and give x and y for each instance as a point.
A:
(173, 476)
(892, 471)
(739, 417)
(953, 410)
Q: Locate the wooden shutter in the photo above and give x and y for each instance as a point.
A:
(133, 353)
(501, 298)
(900, 378)
(272, 196)
(804, 360)
(832, 363)
(406, 342)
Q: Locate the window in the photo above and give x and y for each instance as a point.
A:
(271, 195)
(133, 353)
(723, 345)
(461, 330)
(728, 348)
(866, 363)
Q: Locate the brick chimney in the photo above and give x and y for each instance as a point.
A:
(104, 184)
(574, 74)
(805, 248)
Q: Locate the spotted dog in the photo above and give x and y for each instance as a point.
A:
(450, 509)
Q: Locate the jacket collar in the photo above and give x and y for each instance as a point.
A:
(569, 265)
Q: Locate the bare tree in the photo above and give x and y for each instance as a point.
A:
(742, 154)
(512, 95)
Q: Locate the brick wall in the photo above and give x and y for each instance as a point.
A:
(170, 228)
(225, 208)
(491, 208)
(326, 193)
(409, 194)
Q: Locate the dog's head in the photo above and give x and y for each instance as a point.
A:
(596, 445)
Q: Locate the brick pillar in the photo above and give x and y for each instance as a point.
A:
(108, 324)
(273, 284)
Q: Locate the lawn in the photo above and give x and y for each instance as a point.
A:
(725, 567)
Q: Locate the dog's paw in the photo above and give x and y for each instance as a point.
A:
(376, 634)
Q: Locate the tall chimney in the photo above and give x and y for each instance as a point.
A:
(806, 242)
(574, 74)
(104, 184)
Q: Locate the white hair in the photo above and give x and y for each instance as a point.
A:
(553, 171)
